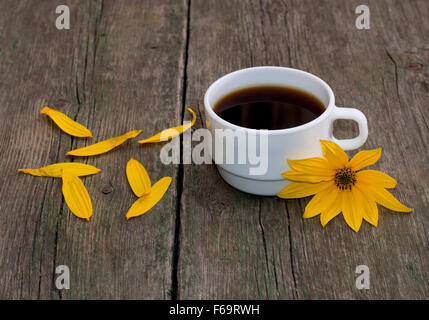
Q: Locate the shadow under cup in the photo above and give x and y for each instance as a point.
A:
(253, 160)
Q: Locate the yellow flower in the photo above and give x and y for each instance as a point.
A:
(339, 185)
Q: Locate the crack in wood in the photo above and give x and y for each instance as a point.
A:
(80, 103)
(36, 233)
(291, 253)
(264, 243)
(95, 39)
(395, 64)
(174, 292)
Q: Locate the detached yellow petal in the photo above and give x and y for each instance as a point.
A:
(138, 178)
(103, 146)
(170, 133)
(334, 154)
(56, 170)
(66, 124)
(365, 158)
(302, 189)
(146, 202)
(76, 196)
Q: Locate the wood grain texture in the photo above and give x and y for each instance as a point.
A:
(119, 68)
(233, 245)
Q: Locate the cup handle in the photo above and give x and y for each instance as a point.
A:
(355, 115)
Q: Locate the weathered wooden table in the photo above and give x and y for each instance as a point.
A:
(126, 65)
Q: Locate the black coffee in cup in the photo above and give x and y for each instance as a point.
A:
(269, 107)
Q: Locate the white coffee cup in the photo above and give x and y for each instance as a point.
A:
(292, 143)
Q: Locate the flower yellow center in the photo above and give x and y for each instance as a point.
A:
(345, 178)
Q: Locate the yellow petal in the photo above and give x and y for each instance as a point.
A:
(334, 154)
(385, 198)
(295, 175)
(371, 216)
(315, 165)
(320, 202)
(365, 158)
(146, 202)
(138, 178)
(76, 196)
(302, 189)
(55, 170)
(370, 210)
(170, 133)
(66, 124)
(332, 211)
(351, 207)
(375, 178)
(103, 146)
(365, 205)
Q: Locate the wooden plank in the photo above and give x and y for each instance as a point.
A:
(233, 245)
(35, 67)
(119, 68)
(396, 252)
(136, 51)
